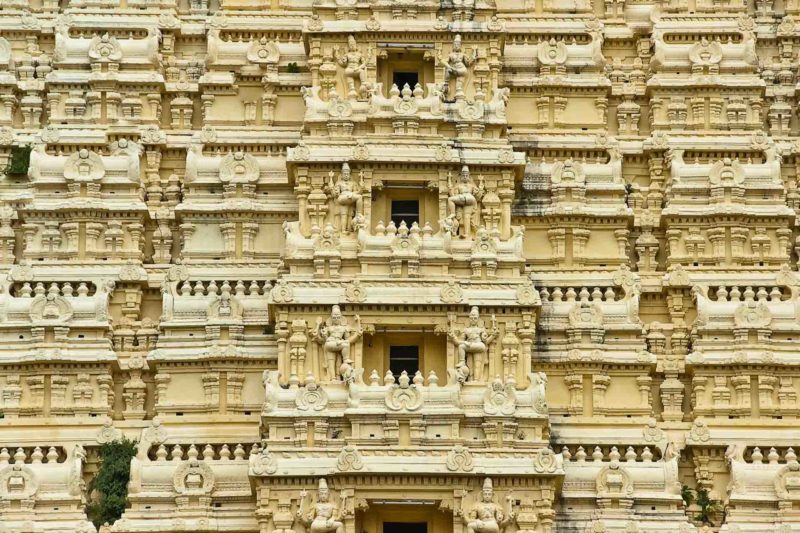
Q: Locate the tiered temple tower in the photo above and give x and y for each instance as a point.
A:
(381, 266)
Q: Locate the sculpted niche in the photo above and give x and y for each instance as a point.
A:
(462, 202)
(348, 197)
(456, 68)
(325, 516)
(335, 336)
(485, 516)
(355, 69)
(472, 344)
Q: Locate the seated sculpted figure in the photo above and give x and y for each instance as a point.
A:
(347, 194)
(336, 336)
(487, 516)
(462, 200)
(474, 341)
(324, 517)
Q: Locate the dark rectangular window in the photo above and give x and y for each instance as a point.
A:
(403, 358)
(405, 527)
(401, 78)
(407, 210)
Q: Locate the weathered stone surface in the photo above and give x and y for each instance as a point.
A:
(489, 265)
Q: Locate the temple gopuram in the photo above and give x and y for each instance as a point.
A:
(399, 266)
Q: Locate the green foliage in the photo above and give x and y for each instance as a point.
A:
(19, 161)
(292, 68)
(707, 508)
(687, 495)
(110, 486)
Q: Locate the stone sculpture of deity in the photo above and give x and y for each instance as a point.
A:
(336, 336)
(487, 516)
(355, 68)
(456, 66)
(474, 342)
(347, 194)
(325, 517)
(462, 200)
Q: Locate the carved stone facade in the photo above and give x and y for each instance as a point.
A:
(339, 266)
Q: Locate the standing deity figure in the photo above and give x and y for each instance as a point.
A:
(355, 68)
(487, 516)
(336, 336)
(457, 66)
(324, 517)
(474, 341)
(347, 194)
(462, 200)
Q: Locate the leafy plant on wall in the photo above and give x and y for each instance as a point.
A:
(687, 495)
(19, 161)
(109, 488)
(708, 508)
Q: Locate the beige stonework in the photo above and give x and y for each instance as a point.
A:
(482, 266)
